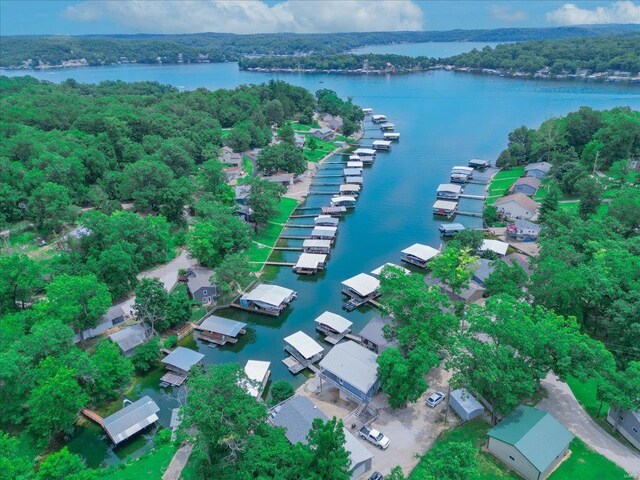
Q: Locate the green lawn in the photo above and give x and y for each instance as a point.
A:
(501, 183)
(269, 234)
(322, 149)
(247, 165)
(299, 127)
(585, 464)
(585, 393)
(149, 466)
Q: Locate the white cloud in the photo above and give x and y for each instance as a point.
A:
(506, 13)
(242, 16)
(616, 12)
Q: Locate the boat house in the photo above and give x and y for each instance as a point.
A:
(352, 369)
(418, 254)
(393, 136)
(366, 155)
(267, 299)
(257, 373)
(220, 330)
(324, 233)
(450, 229)
(316, 246)
(355, 164)
(310, 263)
(350, 189)
(529, 441)
(538, 170)
(352, 172)
(479, 164)
(382, 144)
(361, 288)
(346, 201)
(445, 208)
(129, 338)
(387, 127)
(378, 118)
(449, 191)
(527, 185)
(517, 206)
(296, 415)
(372, 335)
(131, 419)
(357, 180)
(179, 363)
(334, 326)
(303, 352)
(378, 271)
(461, 174)
(465, 405)
(367, 111)
(326, 221)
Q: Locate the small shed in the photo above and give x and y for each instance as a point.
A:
(378, 271)
(316, 246)
(129, 338)
(131, 419)
(465, 405)
(352, 369)
(257, 373)
(372, 335)
(220, 330)
(326, 221)
(310, 263)
(362, 285)
(500, 248)
(324, 233)
(334, 326)
(268, 299)
(418, 254)
(182, 359)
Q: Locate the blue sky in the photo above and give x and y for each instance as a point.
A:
(28, 17)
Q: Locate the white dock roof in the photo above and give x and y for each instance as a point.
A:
(365, 151)
(256, 371)
(362, 284)
(445, 205)
(357, 180)
(355, 164)
(423, 252)
(378, 270)
(324, 231)
(313, 242)
(461, 169)
(385, 143)
(353, 363)
(495, 246)
(449, 187)
(269, 294)
(335, 321)
(304, 344)
(349, 187)
(311, 260)
(342, 198)
(352, 172)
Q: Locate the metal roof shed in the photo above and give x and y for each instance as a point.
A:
(465, 404)
(335, 322)
(131, 419)
(304, 344)
(129, 338)
(362, 284)
(182, 359)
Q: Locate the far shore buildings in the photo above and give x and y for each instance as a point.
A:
(517, 207)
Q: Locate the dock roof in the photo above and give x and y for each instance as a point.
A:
(349, 187)
(352, 363)
(462, 169)
(311, 260)
(183, 358)
(343, 198)
(355, 164)
(365, 151)
(130, 337)
(256, 372)
(536, 434)
(449, 187)
(222, 326)
(363, 284)
(304, 344)
(445, 205)
(352, 172)
(335, 321)
(385, 143)
(325, 231)
(373, 331)
(313, 242)
(378, 270)
(269, 294)
(326, 219)
(420, 251)
(131, 419)
(355, 179)
(447, 227)
(495, 246)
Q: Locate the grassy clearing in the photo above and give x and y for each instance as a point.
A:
(322, 149)
(586, 464)
(299, 127)
(150, 465)
(502, 182)
(585, 393)
(269, 234)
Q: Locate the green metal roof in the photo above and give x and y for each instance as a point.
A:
(536, 434)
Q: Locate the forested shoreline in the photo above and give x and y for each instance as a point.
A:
(92, 50)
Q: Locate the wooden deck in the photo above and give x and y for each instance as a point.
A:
(91, 415)
(293, 365)
(172, 379)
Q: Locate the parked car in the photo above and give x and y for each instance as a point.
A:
(376, 476)
(375, 437)
(435, 399)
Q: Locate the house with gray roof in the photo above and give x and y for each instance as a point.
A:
(129, 338)
(530, 442)
(527, 185)
(182, 359)
(299, 140)
(538, 169)
(352, 369)
(323, 133)
(296, 415)
(131, 419)
(627, 423)
(114, 316)
(372, 335)
(200, 287)
(242, 193)
(229, 157)
(518, 259)
(483, 269)
(523, 231)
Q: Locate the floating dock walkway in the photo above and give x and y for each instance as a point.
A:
(473, 197)
(470, 214)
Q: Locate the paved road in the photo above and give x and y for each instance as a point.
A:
(562, 404)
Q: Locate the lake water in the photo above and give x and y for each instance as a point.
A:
(426, 49)
(444, 118)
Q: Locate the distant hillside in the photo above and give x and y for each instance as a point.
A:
(47, 51)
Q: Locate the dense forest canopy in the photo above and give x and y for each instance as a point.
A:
(219, 47)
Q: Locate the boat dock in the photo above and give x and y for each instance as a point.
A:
(470, 214)
(91, 415)
(172, 379)
(473, 197)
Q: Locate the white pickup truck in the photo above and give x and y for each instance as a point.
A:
(375, 437)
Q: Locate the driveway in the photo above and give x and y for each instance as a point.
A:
(562, 404)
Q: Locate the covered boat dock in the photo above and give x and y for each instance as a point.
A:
(334, 326)
(418, 254)
(220, 330)
(303, 352)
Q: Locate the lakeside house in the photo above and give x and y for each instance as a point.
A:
(299, 140)
(495, 246)
(523, 231)
(334, 123)
(449, 191)
(445, 208)
(242, 193)
(220, 330)
(378, 271)
(267, 299)
(372, 335)
(355, 164)
(129, 338)
(303, 352)
(527, 185)
(518, 259)
(257, 373)
(627, 423)
(310, 263)
(114, 316)
(352, 369)
(538, 169)
(179, 364)
(316, 246)
(418, 254)
(517, 206)
(482, 270)
(471, 294)
(465, 405)
(529, 441)
(229, 157)
(334, 326)
(450, 229)
(323, 133)
(199, 285)
(352, 172)
(296, 415)
(131, 419)
(393, 136)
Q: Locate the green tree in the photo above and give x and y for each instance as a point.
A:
(50, 207)
(211, 179)
(112, 371)
(329, 459)
(146, 182)
(211, 240)
(621, 389)
(54, 404)
(490, 215)
(507, 279)
(311, 143)
(146, 355)
(469, 238)
(19, 281)
(451, 461)
(232, 274)
(151, 304)
(590, 196)
(625, 208)
(274, 111)
(14, 464)
(282, 157)
(116, 267)
(264, 199)
(280, 391)
(178, 309)
(550, 202)
(401, 379)
(453, 267)
(287, 134)
(64, 465)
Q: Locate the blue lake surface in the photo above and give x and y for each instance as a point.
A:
(444, 118)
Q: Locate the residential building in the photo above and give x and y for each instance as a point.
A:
(518, 259)
(242, 193)
(372, 335)
(129, 338)
(200, 287)
(229, 157)
(114, 316)
(299, 140)
(627, 422)
(517, 206)
(523, 231)
(538, 170)
(495, 246)
(323, 133)
(482, 271)
(527, 185)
